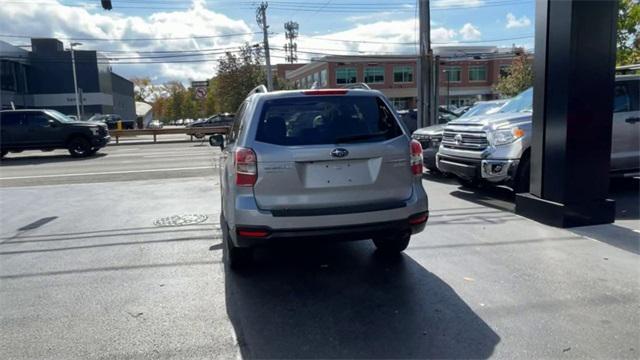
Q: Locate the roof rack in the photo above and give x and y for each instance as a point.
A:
(258, 89)
(358, 86)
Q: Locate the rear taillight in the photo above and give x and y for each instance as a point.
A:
(246, 166)
(416, 157)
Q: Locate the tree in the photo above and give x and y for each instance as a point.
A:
(237, 75)
(142, 89)
(520, 77)
(627, 40)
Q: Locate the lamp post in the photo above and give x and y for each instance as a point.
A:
(446, 72)
(75, 78)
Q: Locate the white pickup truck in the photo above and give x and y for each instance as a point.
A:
(496, 148)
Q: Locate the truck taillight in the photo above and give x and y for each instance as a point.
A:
(246, 166)
(416, 157)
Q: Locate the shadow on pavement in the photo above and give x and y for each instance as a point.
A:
(44, 159)
(626, 193)
(345, 301)
(614, 235)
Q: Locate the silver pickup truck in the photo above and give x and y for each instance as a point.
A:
(496, 148)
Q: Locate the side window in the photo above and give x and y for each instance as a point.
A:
(10, 119)
(235, 129)
(621, 100)
(37, 120)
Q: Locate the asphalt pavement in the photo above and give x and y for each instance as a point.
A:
(94, 263)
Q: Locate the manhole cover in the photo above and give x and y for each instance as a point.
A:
(180, 220)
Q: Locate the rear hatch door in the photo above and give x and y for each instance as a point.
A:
(330, 154)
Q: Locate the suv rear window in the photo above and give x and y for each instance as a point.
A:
(312, 120)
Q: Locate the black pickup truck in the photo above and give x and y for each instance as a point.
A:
(47, 130)
(111, 120)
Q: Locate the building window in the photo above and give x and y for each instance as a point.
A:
(297, 84)
(303, 83)
(346, 76)
(453, 73)
(323, 78)
(505, 70)
(400, 103)
(374, 75)
(309, 80)
(316, 79)
(477, 73)
(402, 74)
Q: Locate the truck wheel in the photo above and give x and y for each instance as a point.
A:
(469, 183)
(522, 180)
(392, 244)
(78, 147)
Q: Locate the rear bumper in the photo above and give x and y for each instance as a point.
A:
(337, 234)
(355, 224)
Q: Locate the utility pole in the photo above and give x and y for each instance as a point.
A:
(291, 34)
(75, 78)
(424, 66)
(261, 18)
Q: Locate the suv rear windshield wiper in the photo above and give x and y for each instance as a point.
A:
(350, 138)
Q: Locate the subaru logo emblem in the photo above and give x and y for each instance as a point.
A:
(458, 139)
(339, 152)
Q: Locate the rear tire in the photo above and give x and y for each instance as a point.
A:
(392, 245)
(79, 147)
(236, 257)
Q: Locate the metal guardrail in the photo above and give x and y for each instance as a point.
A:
(197, 132)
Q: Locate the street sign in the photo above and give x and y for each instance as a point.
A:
(201, 93)
(197, 84)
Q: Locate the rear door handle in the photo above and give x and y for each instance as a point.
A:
(632, 120)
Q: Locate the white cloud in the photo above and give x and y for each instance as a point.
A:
(85, 22)
(470, 32)
(513, 22)
(456, 3)
(381, 37)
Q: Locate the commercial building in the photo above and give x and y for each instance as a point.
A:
(466, 74)
(43, 78)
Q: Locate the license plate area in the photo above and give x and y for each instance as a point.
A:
(336, 173)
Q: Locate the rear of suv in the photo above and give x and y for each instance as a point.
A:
(48, 130)
(332, 164)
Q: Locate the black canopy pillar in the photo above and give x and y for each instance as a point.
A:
(574, 65)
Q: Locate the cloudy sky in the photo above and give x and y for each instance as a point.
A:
(181, 39)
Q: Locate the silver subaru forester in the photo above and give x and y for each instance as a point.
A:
(331, 164)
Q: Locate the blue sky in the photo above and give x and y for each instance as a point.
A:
(326, 26)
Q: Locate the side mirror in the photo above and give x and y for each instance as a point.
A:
(216, 141)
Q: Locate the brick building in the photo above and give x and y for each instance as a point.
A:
(466, 74)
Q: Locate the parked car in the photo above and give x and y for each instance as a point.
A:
(155, 124)
(431, 136)
(111, 120)
(47, 130)
(223, 119)
(334, 164)
(179, 122)
(496, 148)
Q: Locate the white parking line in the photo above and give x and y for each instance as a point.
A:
(105, 173)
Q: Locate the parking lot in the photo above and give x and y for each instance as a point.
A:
(94, 265)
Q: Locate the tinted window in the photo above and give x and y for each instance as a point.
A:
(10, 119)
(235, 129)
(621, 100)
(326, 120)
(37, 120)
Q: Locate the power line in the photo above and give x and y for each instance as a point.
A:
(134, 39)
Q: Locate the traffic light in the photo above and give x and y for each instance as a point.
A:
(106, 4)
